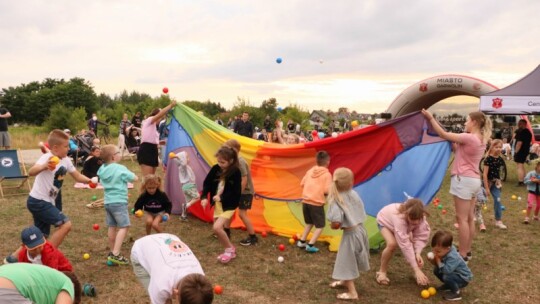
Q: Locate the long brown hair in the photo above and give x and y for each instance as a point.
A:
(228, 154)
(413, 209)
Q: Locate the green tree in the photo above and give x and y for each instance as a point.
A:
(63, 117)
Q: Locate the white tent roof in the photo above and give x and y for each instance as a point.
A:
(521, 97)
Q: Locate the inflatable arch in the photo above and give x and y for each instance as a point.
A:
(428, 92)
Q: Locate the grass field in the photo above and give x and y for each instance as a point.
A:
(503, 264)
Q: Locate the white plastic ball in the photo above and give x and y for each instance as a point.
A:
(430, 255)
(94, 180)
(334, 134)
(519, 198)
(280, 259)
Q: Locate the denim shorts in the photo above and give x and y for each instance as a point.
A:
(45, 214)
(117, 215)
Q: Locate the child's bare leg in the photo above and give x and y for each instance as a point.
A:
(305, 234)
(148, 223)
(351, 288)
(244, 217)
(155, 224)
(388, 252)
(60, 233)
(111, 234)
(120, 236)
(316, 233)
(219, 224)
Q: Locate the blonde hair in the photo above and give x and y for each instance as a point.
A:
(107, 153)
(150, 179)
(57, 137)
(484, 123)
(413, 208)
(342, 181)
(495, 142)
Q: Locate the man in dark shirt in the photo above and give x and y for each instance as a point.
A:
(243, 126)
(5, 140)
(523, 145)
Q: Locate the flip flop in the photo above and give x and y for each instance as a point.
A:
(337, 284)
(382, 279)
(346, 297)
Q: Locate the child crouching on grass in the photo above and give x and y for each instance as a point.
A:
(450, 267)
(154, 202)
(114, 178)
(346, 212)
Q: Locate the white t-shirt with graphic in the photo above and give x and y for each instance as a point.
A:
(167, 259)
(48, 183)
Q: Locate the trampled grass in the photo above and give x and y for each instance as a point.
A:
(504, 263)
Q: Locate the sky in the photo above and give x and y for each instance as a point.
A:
(348, 53)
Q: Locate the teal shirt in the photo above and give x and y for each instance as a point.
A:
(114, 178)
(38, 283)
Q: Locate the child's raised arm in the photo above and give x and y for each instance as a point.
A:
(77, 176)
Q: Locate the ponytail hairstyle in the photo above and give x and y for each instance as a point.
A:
(229, 155)
(342, 181)
(151, 179)
(413, 209)
(484, 123)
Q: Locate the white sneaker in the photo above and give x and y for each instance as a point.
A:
(500, 225)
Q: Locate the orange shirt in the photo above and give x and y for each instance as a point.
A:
(316, 183)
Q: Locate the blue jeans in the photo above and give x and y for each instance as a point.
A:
(45, 214)
(497, 206)
(452, 280)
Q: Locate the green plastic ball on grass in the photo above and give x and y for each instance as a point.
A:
(132, 211)
(94, 197)
(440, 206)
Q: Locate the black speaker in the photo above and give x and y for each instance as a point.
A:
(386, 115)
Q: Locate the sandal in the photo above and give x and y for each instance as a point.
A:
(346, 297)
(228, 255)
(337, 284)
(382, 279)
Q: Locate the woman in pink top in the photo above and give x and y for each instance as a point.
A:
(469, 147)
(147, 156)
(404, 225)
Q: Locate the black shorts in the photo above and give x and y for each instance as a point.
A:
(314, 215)
(245, 201)
(520, 157)
(148, 155)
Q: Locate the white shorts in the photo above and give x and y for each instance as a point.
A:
(464, 187)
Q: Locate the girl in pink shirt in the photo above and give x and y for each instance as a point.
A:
(404, 225)
(466, 182)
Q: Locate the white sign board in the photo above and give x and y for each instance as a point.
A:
(510, 104)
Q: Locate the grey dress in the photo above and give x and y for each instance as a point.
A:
(353, 253)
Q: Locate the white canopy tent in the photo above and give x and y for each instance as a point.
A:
(521, 97)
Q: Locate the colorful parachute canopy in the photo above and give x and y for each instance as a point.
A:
(388, 160)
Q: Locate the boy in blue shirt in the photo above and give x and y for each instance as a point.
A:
(450, 267)
(114, 178)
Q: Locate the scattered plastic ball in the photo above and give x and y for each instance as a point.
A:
(94, 197)
(440, 206)
(110, 263)
(430, 255)
(291, 241)
(132, 211)
(524, 211)
(424, 294)
(281, 247)
(95, 227)
(165, 90)
(519, 198)
(432, 291)
(279, 60)
(435, 204)
(444, 211)
(263, 234)
(295, 237)
(139, 213)
(514, 196)
(218, 289)
(86, 256)
(172, 155)
(164, 217)
(280, 259)
(437, 200)
(334, 134)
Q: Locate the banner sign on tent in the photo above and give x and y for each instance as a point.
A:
(510, 104)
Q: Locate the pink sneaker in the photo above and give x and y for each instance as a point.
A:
(228, 255)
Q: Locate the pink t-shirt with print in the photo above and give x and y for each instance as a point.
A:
(469, 152)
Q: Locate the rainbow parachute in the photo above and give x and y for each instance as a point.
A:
(388, 160)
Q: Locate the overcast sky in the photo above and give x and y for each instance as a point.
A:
(347, 53)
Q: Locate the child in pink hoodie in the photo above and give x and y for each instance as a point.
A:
(404, 225)
(316, 183)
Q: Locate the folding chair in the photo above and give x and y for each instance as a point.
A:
(12, 168)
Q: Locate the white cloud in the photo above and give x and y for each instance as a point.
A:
(218, 50)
